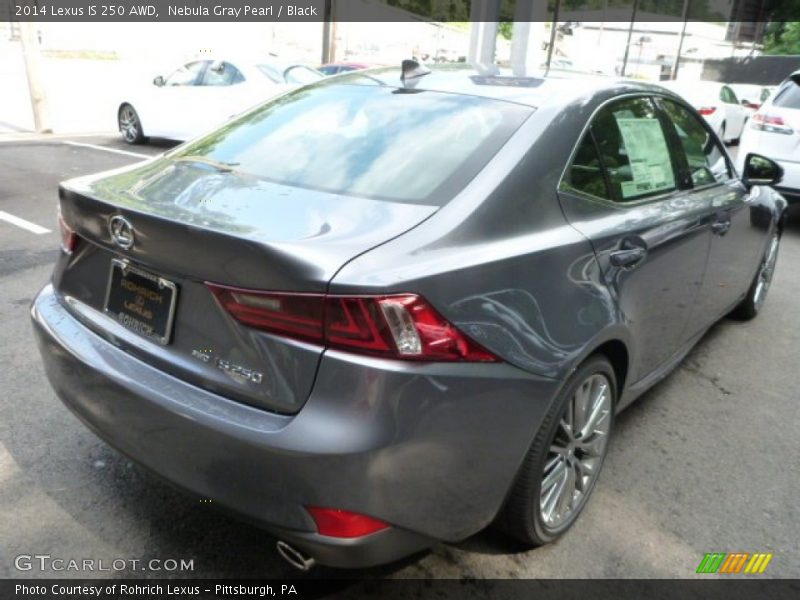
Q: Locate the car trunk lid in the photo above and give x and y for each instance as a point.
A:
(194, 223)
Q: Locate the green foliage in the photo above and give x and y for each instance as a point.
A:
(438, 10)
(782, 38)
(459, 10)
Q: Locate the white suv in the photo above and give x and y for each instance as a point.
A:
(774, 131)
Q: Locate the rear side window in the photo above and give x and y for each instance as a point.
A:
(788, 96)
(366, 140)
(586, 173)
(633, 150)
(704, 156)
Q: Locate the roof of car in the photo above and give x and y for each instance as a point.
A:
(536, 89)
(250, 59)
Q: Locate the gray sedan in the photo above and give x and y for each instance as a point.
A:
(394, 307)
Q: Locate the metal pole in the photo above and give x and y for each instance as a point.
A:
(30, 52)
(483, 32)
(329, 32)
(628, 43)
(326, 32)
(675, 67)
(553, 29)
(602, 23)
(520, 37)
(526, 42)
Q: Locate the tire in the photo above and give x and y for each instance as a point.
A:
(757, 293)
(524, 515)
(130, 126)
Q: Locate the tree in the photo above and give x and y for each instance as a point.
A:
(783, 38)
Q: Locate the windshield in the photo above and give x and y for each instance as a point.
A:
(301, 75)
(365, 140)
(294, 74)
(788, 96)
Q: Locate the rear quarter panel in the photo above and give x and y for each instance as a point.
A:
(501, 262)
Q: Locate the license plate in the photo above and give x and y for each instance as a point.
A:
(141, 301)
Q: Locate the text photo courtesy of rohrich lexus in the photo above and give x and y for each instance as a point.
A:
(370, 291)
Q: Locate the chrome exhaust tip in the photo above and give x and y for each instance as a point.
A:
(295, 557)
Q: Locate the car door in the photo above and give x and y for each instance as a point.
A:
(737, 223)
(176, 101)
(223, 92)
(735, 113)
(651, 237)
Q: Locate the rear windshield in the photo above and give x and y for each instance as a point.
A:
(788, 96)
(365, 140)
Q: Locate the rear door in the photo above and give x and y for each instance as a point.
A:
(737, 231)
(622, 191)
(176, 106)
(735, 113)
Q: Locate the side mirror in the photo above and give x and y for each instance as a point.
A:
(158, 81)
(760, 170)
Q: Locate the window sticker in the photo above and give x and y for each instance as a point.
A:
(651, 168)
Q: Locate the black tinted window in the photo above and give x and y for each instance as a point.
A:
(705, 158)
(728, 96)
(366, 140)
(633, 150)
(788, 96)
(585, 173)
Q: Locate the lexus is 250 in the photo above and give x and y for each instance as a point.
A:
(396, 306)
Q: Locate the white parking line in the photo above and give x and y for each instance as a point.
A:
(32, 227)
(105, 149)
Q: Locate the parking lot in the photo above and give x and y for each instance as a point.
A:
(706, 461)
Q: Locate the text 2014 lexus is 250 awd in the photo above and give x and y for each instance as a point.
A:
(396, 306)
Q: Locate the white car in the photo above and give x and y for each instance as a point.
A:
(774, 132)
(717, 103)
(203, 94)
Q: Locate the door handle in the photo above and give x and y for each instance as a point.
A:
(629, 255)
(721, 227)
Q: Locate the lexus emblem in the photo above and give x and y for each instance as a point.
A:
(121, 232)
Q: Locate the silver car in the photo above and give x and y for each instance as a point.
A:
(397, 306)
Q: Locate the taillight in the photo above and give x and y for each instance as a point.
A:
(294, 315)
(343, 523)
(707, 110)
(770, 123)
(69, 239)
(401, 326)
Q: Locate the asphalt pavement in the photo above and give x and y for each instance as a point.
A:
(707, 461)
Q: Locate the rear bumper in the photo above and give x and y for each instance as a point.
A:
(430, 448)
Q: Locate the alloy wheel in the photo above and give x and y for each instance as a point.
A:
(129, 124)
(576, 452)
